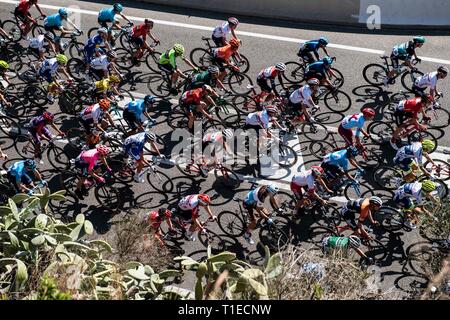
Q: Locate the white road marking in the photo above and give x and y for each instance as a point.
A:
(243, 33)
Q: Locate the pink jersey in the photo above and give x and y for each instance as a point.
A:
(213, 137)
(90, 157)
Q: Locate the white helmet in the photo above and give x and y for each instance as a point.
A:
(228, 133)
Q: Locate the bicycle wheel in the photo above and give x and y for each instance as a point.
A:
(374, 74)
(70, 102)
(352, 191)
(285, 156)
(375, 249)
(152, 61)
(274, 237)
(244, 65)
(9, 127)
(213, 240)
(25, 146)
(188, 168)
(201, 58)
(177, 118)
(159, 86)
(12, 29)
(408, 78)
(442, 170)
(239, 83)
(121, 170)
(245, 103)
(286, 202)
(76, 69)
(76, 137)
(337, 101)
(370, 160)
(320, 149)
(330, 215)
(58, 158)
(294, 73)
(227, 178)
(76, 50)
(124, 59)
(68, 180)
(380, 131)
(441, 119)
(92, 32)
(390, 219)
(230, 223)
(160, 144)
(108, 197)
(388, 178)
(317, 234)
(228, 114)
(339, 80)
(422, 135)
(160, 181)
(37, 30)
(36, 95)
(314, 131)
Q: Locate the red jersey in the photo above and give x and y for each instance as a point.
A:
(411, 105)
(140, 31)
(24, 6)
(224, 52)
(193, 96)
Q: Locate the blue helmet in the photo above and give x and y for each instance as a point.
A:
(118, 7)
(323, 41)
(352, 152)
(63, 12)
(30, 164)
(327, 61)
(272, 189)
(149, 99)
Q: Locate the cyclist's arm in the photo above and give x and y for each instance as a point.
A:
(208, 210)
(105, 163)
(262, 211)
(156, 40)
(220, 84)
(63, 70)
(331, 73)
(155, 148)
(233, 34)
(3, 32)
(326, 52)
(316, 54)
(123, 16)
(206, 113)
(348, 175)
(3, 99)
(314, 194)
(57, 129)
(354, 163)
(37, 174)
(361, 254)
(3, 155)
(211, 100)
(188, 62)
(39, 9)
(322, 182)
(169, 223)
(274, 202)
(110, 119)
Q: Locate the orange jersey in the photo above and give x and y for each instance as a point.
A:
(224, 52)
(193, 96)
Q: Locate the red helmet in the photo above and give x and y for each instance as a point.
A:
(104, 104)
(204, 199)
(233, 21)
(368, 112)
(235, 43)
(103, 150)
(317, 170)
(48, 116)
(153, 215)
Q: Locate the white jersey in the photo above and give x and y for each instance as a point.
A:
(303, 179)
(301, 95)
(410, 190)
(260, 118)
(37, 43)
(189, 202)
(100, 63)
(92, 112)
(222, 30)
(427, 80)
(50, 64)
(413, 150)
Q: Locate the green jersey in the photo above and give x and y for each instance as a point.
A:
(168, 57)
(338, 242)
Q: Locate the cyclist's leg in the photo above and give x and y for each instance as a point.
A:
(346, 134)
(251, 214)
(395, 66)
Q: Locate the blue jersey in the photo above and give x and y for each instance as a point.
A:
(93, 42)
(252, 198)
(106, 15)
(134, 145)
(136, 107)
(17, 170)
(312, 45)
(337, 158)
(354, 121)
(317, 67)
(54, 20)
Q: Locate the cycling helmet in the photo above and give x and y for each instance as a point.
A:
(235, 43)
(30, 164)
(352, 152)
(327, 61)
(368, 112)
(376, 200)
(103, 150)
(62, 59)
(443, 70)
(427, 145)
(112, 54)
(179, 49)
(272, 109)
(204, 199)
(154, 215)
(48, 116)
(114, 78)
(317, 170)
(4, 64)
(207, 87)
(323, 41)
(148, 21)
(428, 186)
(355, 242)
(102, 30)
(118, 7)
(280, 66)
(313, 82)
(62, 12)
(233, 21)
(164, 213)
(419, 39)
(104, 104)
(272, 189)
(213, 69)
(150, 136)
(149, 99)
(228, 133)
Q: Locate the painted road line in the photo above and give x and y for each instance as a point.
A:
(243, 33)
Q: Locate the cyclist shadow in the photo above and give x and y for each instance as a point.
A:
(301, 224)
(372, 96)
(394, 247)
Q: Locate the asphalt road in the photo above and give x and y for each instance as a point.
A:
(264, 43)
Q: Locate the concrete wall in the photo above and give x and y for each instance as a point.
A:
(391, 12)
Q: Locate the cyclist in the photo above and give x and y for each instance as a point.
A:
(301, 100)
(38, 130)
(138, 37)
(307, 180)
(344, 243)
(38, 46)
(410, 156)
(3, 156)
(404, 52)
(49, 69)
(261, 119)
(197, 101)
(92, 47)
(255, 201)
(100, 66)
(107, 15)
(3, 69)
(219, 35)
(271, 73)
(355, 121)
(155, 218)
(54, 23)
(221, 57)
(335, 164)
(93, 115)
(429, 80)
(321, 70)
(409, 197)
(133, 146)
(365, 207)
(134, 110)
(106, 86)
(407, 113)
(87, 165)
(307, 49)
(216, 139)
(21, 175)
(167, 63)
(22, 12)
(188, 210)
(209, 77)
